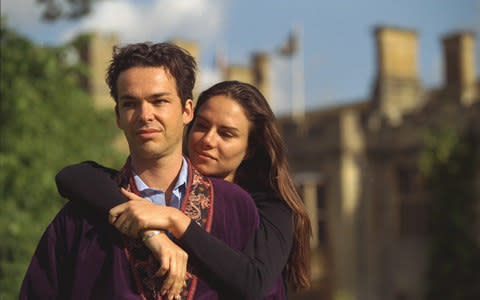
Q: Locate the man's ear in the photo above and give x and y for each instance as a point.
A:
(188, 112)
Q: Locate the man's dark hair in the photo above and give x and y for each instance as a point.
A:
(179, 63)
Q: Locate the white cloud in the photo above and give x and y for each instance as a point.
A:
(208, 77)
(154, 21)
(21, 13)
(130, 20)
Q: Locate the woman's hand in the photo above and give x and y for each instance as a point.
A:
(173, 263)
(137, 215)
(133, 217)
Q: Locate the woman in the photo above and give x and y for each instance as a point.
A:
(234, 137)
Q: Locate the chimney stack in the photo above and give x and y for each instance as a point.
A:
(97, 57)
(397, 87)
(261, 74)
(459, 66)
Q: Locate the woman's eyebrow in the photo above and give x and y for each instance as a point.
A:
(231, 128)
(235, 129)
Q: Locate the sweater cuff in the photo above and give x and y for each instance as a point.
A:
(191, 234)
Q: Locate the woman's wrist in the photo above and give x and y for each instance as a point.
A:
(178, 223)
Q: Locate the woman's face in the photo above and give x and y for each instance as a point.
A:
(218, 140)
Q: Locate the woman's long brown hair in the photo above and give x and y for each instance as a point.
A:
(266, 169)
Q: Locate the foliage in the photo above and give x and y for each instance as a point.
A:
(46, 122)
(450, 163)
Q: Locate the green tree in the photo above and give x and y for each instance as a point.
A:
(449, 163)
(46, 122)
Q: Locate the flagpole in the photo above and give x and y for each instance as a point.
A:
(298, 80)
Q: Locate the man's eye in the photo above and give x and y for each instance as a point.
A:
(159, 101)
(128, 104)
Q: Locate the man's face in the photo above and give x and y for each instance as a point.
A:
(149, 112)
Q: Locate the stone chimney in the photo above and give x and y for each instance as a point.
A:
(397, 88)
(257, 73)
(99, 54)
(239, 72)
(459, 66)
(261, 74)
(190, 46)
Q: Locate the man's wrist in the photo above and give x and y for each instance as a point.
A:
(150, 234)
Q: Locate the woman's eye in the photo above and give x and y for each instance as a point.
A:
(200, 126)
(226, 134)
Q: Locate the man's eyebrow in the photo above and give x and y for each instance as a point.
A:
(153, 96)
(159, 95)
(127, 97)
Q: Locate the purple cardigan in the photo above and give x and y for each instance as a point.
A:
(81, 256)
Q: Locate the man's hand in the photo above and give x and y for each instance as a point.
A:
(173, 263)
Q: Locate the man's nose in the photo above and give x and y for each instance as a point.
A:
(146, 111)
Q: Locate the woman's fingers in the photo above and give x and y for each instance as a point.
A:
(122, 225)
(115, 212)
(120, 217)
(130, 195)
(133, 217)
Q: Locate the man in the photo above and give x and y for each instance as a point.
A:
(80, 255)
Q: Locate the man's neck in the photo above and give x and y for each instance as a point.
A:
(160, 174)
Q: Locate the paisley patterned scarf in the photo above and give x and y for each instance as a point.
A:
(197, 204)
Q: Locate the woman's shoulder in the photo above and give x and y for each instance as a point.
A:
(222, 186)
(232, 194)
(270, 200)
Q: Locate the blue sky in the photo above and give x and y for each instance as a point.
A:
(339, 48)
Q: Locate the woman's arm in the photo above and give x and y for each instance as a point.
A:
(90, 184)
(251, 272)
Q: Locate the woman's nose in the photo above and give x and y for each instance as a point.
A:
(208, 139)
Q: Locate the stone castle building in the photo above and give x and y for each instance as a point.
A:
(356, 165)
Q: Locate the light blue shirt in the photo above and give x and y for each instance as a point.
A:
(158, 196)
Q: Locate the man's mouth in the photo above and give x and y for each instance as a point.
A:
(147, 132)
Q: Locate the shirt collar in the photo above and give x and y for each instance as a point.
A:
(180, 184)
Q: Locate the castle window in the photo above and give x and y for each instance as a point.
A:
(413, 205)
(322, 218)
(407, 179)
